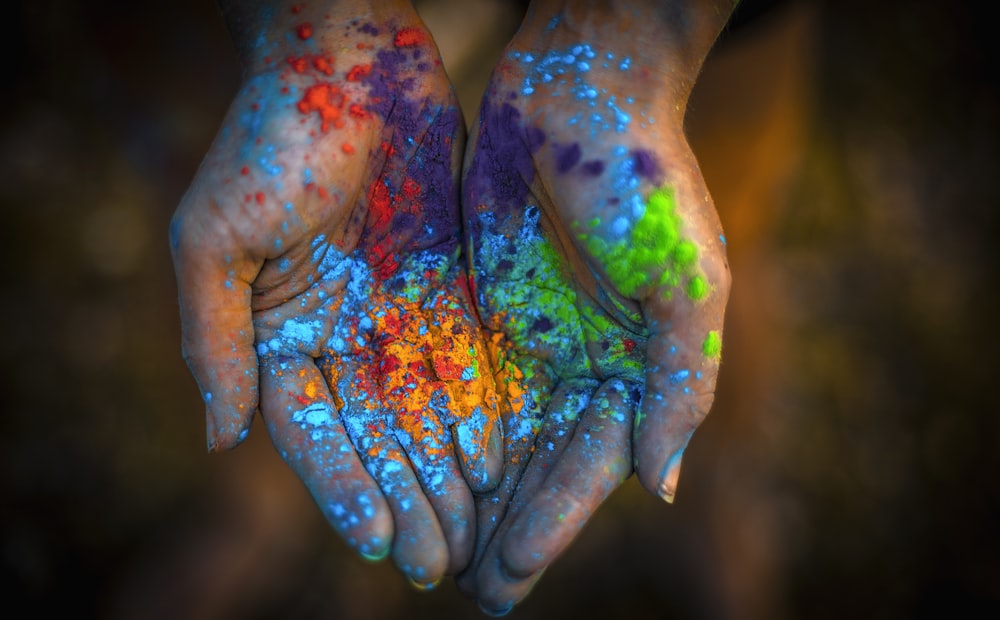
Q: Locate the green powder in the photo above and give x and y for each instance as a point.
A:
(712, 347)
(655, 246)
(697, 288)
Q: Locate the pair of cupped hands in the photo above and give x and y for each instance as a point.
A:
(460, 348)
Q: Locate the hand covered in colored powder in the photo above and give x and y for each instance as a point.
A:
(598, 266)
(316, 254)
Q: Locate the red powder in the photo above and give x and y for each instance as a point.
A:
(388, 363)
(347, 148)
(446, 368)
(254, 106)
(357, 111)
(388, 149)
(325, 99)
(387, 268)
(296, 8)
(299, 65)
(380, 211)
(409, 36)
(410, 188)
(323, 65)
(629, 345)
(305, 31)
(358, 73)
(260, 197)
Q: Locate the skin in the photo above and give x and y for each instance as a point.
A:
(316, 254)
(599, 270)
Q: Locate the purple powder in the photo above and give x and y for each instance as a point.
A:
(535, 137)
(369, 28)
(420, 133)
(593, 168)
(646, 165)
(501, 168)
(567, 157)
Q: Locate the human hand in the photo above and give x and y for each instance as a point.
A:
(599, 266)
(318, 245)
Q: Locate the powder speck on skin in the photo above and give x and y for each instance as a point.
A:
(712, 347)
(654, 253)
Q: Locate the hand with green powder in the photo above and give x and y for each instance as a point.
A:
(317, 259)
(599, 268)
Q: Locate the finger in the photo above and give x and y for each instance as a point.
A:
(567, 404)
(409, 394)
(419, 548)
(596, 461)
(523, 386)
(683, 354)
(302, 420)
(217, 332)
(460, 363)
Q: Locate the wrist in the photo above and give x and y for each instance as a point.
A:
(268, 31)
(665, 41)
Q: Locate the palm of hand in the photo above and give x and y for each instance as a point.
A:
(334, 213)
(603, 296)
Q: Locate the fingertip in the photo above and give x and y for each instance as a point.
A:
(500, 591)
(225, 432)
(483, 471)
(660, 476)
(479, 446)
(459, 532)
(495, 612)
(536, 536)
(376, 556)
(431, 567)
(424, 586)
(494, 459)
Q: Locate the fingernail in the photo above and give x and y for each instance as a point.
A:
(211, 431)
(495, 612)
(424, 586)
(495, 446)
(668, 479)
(375, 557)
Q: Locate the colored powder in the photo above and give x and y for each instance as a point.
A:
(305, 31)
(567, 157)
(593, 168)
(712, 347)
(326, 100)
(501, 165)
(323, 64)
(407, 37)
(646, 166)
(697, 288)
(535, 138)
(654, 252)
(358, 73)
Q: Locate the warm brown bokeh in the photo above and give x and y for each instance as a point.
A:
(847, 469)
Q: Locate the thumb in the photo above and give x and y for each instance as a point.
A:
(685, 321)
(214, 294)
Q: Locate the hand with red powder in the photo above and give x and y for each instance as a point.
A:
(317, 259)
(599, 267)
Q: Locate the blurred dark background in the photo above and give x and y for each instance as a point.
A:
(849, 468)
